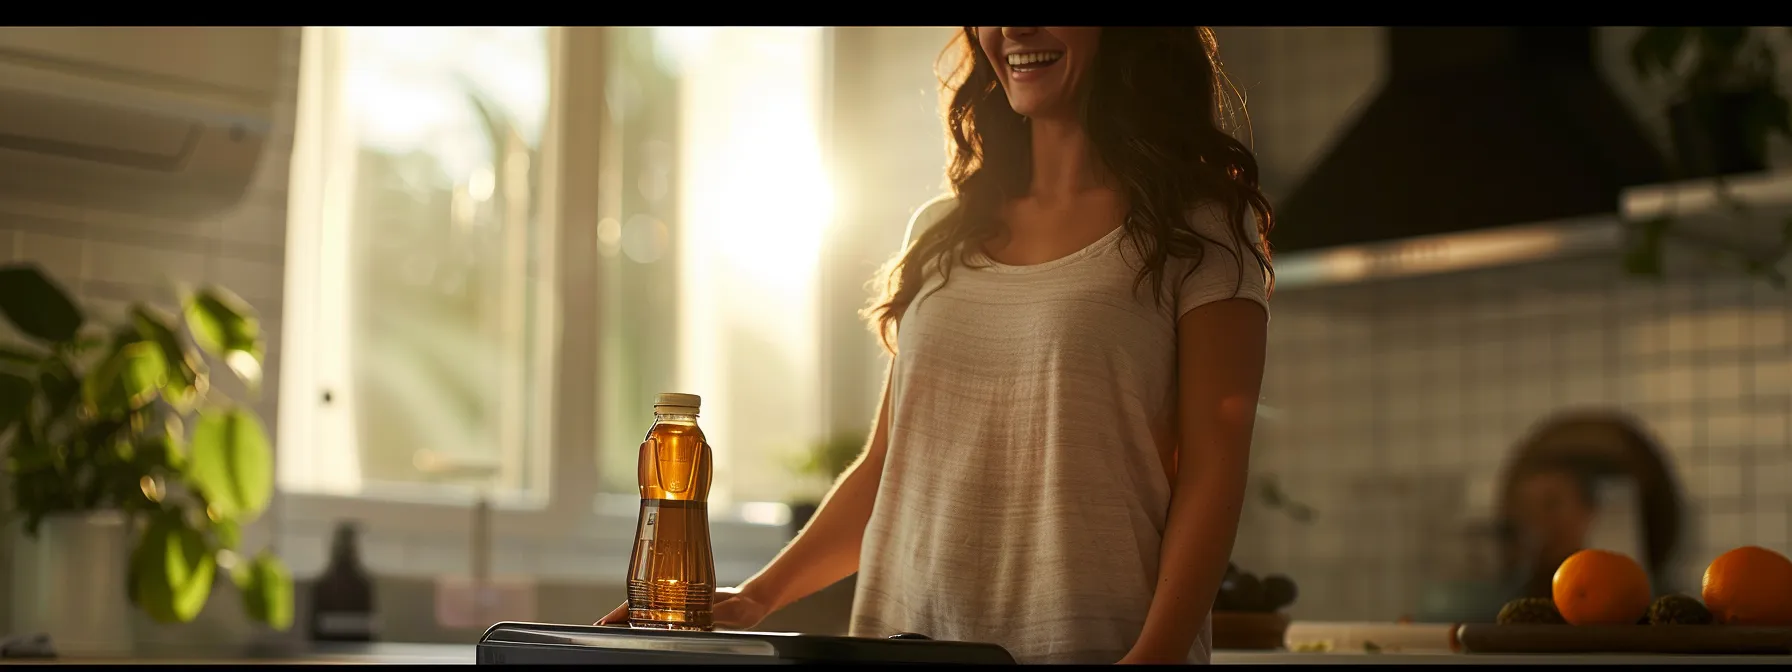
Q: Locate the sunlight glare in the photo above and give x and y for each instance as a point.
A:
(756, 205)
(774, 196)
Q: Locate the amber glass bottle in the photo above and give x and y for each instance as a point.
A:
(672, 572)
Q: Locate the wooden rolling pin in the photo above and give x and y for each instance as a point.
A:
(1370, 637)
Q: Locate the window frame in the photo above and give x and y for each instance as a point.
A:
(408, 527)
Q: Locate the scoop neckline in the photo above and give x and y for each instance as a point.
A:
(1101, 244)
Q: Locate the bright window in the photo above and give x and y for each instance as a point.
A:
(423, 329)
(712, 256)
(494, 230)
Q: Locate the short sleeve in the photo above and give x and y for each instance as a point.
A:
(1217, 277)
(929, 214)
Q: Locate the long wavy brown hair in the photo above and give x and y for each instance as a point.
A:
(1160, 114)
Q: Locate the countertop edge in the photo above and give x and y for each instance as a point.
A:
(1445, 658)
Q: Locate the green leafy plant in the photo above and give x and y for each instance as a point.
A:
(827, 459)
(1722, 78)
(124, 417)
(1270, 493)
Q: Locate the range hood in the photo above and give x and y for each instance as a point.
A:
(1483, 145)
(1705, 213)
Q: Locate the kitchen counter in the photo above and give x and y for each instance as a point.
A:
(1292, 658)
(462, 654)
(344, 654)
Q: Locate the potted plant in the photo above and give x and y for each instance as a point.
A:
(823, 463)
(1725, 99)
(115, 435)
(1725, 107)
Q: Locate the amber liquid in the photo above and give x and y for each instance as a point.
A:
(672, 572)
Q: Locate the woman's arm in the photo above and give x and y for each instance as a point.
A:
(1220, 351)
(827, 549)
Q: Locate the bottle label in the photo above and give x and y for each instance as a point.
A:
(650, 515)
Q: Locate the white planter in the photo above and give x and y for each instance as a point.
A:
(69, 582)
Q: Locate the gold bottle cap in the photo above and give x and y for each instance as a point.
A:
(674, 402)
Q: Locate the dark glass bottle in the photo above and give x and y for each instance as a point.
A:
(342, 598)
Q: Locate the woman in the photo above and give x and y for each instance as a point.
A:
(1553, 506)
(1550, 500)
(1060, 453)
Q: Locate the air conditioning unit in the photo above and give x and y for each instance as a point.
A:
(164, 121)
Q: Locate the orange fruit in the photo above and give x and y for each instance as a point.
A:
(1749, 586)
(1594, 587)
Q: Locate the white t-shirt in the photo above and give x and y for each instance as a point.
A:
(1023, 498)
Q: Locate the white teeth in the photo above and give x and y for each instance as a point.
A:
(1034, 58)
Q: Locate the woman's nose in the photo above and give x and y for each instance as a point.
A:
(1018, 31)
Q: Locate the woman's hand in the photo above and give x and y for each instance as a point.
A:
(617, 616)
(735, 611)
(731, 611)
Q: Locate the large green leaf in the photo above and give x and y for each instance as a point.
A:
(35, 305)
(1719, 45)
(28, 454)
(224, 326)
(158, 449)
(185, 369)
(231, 463)
(172, 571)
(15, 399)
(228, 532)
(267, 590)
(1657, 48)
(60, 386)
(126, 380)
(19, 357)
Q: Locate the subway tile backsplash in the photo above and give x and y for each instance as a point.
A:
(1400, 402)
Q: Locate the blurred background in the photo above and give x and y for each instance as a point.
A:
(477, 254)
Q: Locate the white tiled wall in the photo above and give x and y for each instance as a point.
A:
(111, 259)
(1401, 399)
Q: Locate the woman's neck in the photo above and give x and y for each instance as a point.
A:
(1063, 162)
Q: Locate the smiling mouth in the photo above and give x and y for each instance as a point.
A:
(1035, 60)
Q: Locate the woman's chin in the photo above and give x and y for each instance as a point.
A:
(1037, 109)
